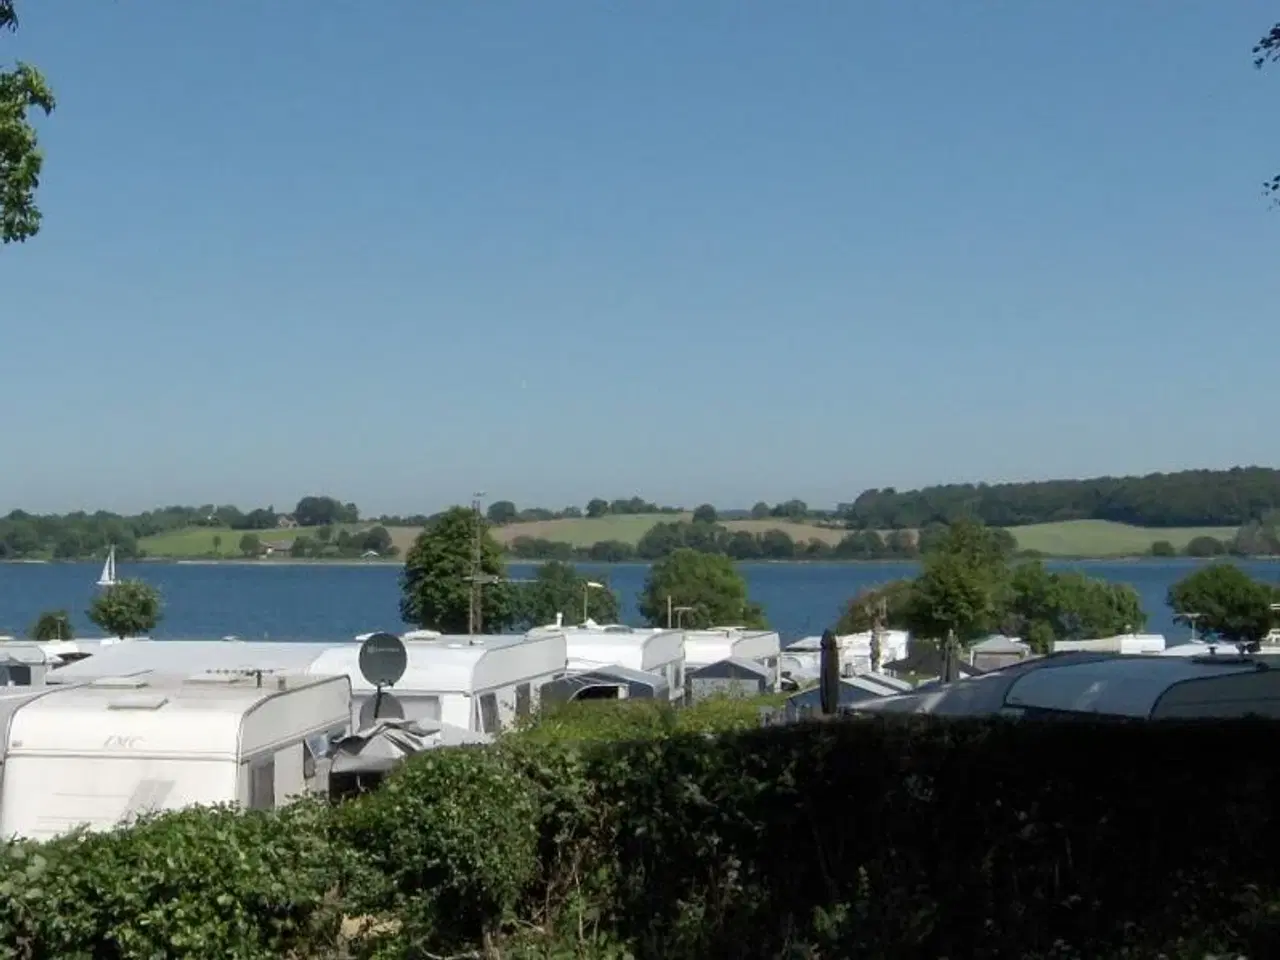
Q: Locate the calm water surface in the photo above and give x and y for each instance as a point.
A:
(329, 602)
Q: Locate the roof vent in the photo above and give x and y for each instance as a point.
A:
(141, 702)
(120, 683)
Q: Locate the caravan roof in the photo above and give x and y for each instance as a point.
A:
(181, 716)
(702, 647)
(442, 665)
(637, 649)
(183, 657)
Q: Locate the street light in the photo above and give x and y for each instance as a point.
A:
(587, 587)
(1192, 618)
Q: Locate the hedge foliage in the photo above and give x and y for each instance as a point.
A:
(855, 839)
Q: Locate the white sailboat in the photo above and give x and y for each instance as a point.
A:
(108, 578)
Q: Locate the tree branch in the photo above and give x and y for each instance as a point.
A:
(1268, 50)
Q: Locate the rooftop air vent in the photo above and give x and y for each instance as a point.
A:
(120, 683)
(140, 702)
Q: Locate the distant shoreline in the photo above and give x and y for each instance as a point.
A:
(398, 562)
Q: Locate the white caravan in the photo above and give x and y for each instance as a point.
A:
(705, 647)
(660, 652)
(803, 658)
(1125, 643)
(447, 679)
(101, 753)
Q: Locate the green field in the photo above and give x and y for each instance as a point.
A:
(199, 541)
(1102, 538)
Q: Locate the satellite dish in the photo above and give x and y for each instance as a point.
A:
(381, 707)
(383, 659)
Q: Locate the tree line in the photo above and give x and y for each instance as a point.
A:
(1189, 498)
(77, 535)
(503, 512)
(665, 538)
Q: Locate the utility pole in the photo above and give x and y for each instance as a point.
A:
(474, 617)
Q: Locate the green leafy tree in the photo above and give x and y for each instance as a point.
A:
(22, 90)
(1163, 548)
(1044, 606)
(964, 585)
(52, 625)
(324, 511)
(1232, 606)
(129, 608)
(597, 507)
(501, 512)
(251, 545)
(706, 583)
(1205, 546)
(435, 585)
(558, 587)
(859, 615)
(760, 511)
(705, 514)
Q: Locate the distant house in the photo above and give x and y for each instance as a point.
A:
(998, 651)
(276, 546)
(286, 522)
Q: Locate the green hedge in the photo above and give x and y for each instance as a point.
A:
(906, 839)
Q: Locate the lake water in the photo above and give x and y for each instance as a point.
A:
(332, 602)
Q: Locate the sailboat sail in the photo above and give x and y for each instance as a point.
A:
(108, 578)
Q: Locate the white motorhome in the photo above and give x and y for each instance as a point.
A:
(483, 684)
(655, 651)
(455, 680)
(705, 647)
(100, 753)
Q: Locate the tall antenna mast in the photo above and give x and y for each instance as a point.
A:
(474, 624)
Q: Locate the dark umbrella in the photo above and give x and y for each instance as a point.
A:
(830, 673)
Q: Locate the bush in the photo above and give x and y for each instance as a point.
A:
(452, 842)
(195, 884)
(868, 839)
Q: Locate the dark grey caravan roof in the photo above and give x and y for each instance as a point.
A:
(639, 685)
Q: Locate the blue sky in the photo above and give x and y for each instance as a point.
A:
(400, 251)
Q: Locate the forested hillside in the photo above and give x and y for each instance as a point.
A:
(1190, 498)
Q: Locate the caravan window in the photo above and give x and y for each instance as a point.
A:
(15, 675)
(522, 700)
(262, 784)
(489, 713)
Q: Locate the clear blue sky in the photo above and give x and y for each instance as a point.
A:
(719, 250)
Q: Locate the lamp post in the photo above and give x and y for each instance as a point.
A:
(587, 587)
(1191, 618)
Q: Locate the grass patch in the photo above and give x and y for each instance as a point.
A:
(1102, 538)
(200, 541)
